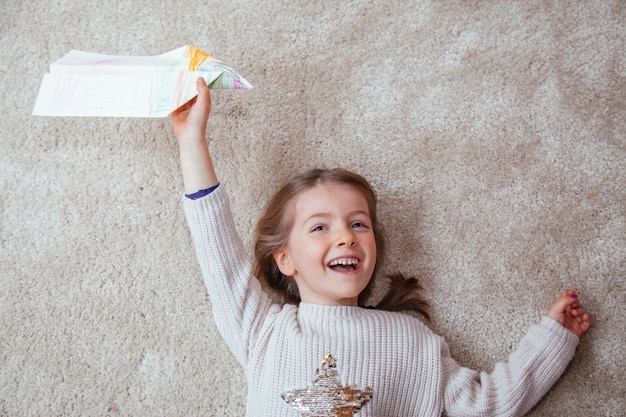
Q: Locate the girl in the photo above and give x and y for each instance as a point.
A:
(318, 242)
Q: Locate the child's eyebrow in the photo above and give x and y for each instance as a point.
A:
(328, 215)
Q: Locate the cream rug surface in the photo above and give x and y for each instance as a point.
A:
(494, 133)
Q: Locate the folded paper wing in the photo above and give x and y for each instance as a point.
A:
(89, 84)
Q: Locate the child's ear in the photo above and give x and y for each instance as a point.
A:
(283, 261)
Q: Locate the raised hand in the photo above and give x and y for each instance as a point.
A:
(190, 123)
(191, 118)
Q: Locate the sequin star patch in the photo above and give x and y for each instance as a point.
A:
(327, 397)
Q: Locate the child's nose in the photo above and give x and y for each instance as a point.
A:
(346, 238)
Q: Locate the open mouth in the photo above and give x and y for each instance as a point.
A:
(344, 264)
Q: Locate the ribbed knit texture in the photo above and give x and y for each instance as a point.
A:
(409, 368)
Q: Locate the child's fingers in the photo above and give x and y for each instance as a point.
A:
(585, 323)
(578, 316)
(565, 301)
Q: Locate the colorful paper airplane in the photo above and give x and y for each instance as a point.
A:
(90, 84)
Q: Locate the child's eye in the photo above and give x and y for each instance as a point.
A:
(318, 228)
(357, 225)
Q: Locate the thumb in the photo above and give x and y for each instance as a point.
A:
(204, 95)
(200, 106)
(561, 305)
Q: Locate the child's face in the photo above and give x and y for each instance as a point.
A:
(331, 252)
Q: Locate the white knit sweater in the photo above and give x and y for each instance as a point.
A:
(408, 367)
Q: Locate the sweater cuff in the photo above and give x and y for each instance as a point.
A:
(555, 334)
(555, 326)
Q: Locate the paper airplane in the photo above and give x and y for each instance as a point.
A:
(90, 84)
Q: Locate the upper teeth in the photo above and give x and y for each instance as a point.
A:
(344, 261)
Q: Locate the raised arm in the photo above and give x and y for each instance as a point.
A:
(190, 124)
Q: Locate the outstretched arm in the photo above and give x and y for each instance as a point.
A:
(566, 311)
(190, 123)
(516, 385)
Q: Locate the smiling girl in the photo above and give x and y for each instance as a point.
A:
(319, 244)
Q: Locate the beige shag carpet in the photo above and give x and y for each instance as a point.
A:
(494, 132)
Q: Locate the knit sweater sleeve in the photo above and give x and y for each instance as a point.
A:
(239, 304)
(516, 385)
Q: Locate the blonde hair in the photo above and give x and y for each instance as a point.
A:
(274, 226)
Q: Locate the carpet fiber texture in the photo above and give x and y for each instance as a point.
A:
(494, 133)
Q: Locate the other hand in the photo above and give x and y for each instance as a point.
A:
(567, 311)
